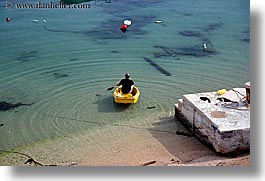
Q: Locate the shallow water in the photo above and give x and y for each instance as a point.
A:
(65, 69)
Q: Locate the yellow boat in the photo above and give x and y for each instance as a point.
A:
(130, 98)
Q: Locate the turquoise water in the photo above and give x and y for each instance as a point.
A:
(63, 71)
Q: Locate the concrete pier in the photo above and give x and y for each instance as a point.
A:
(223, 121)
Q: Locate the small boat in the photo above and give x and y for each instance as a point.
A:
(130, 98)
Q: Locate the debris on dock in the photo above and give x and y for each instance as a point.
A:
(222, 121)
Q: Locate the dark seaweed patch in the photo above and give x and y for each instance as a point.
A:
(114, 51)
(5, 106)
(187, 14)
(141, 3)
(167, 52)
(195, 51)
(180, 14)
(246, 40)
(158, 67)
(64, 31)
(28, 56)
(111, 28)
(246, 35)
(61, 31)
(190, 33)
(73, 59)
(98, 94)
(60, 75)
(246, 32)
(122, 8)
(150, 107)
(107, 30)
(139, 22)
(213, 26)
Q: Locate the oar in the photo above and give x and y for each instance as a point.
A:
(110, 88)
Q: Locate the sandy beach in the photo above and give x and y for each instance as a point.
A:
(126, 146)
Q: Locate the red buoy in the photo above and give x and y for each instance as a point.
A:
(8, 19)
(123, 28)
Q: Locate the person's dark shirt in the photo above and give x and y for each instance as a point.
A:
(126, 85)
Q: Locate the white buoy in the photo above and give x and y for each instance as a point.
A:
(45, 24)
(35, 21)
(158, 21)
(205, 46)
(127, 22)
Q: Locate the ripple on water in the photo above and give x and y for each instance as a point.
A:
(68, 84)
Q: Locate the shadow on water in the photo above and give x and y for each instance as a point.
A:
(106, 104)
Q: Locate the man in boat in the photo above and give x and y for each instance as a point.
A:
(127, 84)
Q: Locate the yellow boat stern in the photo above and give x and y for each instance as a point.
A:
(131, 98)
